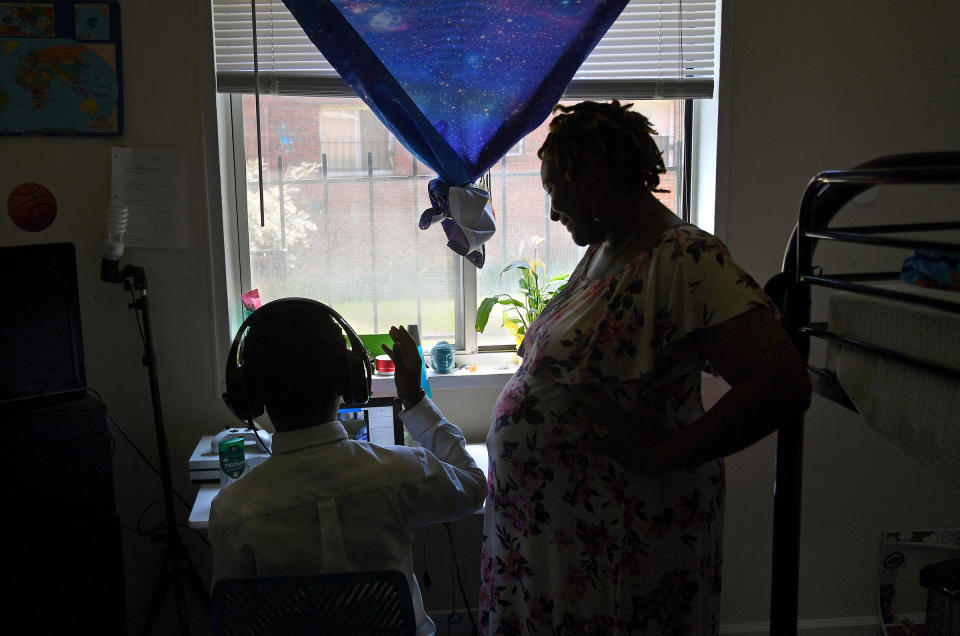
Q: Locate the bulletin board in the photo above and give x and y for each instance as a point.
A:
(60, 70)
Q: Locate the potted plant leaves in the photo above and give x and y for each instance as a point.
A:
(535, 292)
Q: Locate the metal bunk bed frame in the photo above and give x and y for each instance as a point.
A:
(824, 196)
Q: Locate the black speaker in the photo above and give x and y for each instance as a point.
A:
(243, 399)
(65, 575)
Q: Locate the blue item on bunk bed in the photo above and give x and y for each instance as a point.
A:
(932, 269)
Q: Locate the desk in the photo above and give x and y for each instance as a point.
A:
(200, 513)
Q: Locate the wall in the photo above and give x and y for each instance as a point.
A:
(817, 85)
(162, 88)
(782, 129)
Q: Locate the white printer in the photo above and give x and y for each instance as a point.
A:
(204, 463)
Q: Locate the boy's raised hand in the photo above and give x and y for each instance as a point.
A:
(406, 359)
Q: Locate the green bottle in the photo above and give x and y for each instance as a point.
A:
(232, 460)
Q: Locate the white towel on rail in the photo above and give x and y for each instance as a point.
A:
(917, 410)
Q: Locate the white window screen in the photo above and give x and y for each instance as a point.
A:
(654, 50)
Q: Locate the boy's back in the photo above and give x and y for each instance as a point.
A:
(324, 503)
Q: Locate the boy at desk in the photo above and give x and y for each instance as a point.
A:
(323, 502)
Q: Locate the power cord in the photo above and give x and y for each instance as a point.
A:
(454, 616)
(256, 428)
(151, 532)
(426, 572)
(202, 536)
(463, 592)
(455, 579)
(135, 447)
(113, 446)
(138, 529)
(133, 298)
(112, 441)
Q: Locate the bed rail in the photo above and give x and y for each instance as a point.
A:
(825, 195)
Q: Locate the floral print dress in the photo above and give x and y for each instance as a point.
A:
(574, 542)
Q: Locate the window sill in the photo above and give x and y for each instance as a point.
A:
(489, 370)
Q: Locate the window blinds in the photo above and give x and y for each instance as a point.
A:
(654, 50)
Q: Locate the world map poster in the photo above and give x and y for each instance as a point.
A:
(60, 68)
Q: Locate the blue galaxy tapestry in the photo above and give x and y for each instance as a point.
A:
(458, 82)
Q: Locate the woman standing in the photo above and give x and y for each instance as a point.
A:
(605, 488)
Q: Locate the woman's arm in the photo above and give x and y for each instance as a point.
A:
(769, 388)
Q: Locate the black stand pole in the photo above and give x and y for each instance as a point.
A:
(794, 300)
(176, 562)
(785, 574)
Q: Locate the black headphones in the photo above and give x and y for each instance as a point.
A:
(244, 401)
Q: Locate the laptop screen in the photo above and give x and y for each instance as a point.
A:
(377, 421)
(40, 325)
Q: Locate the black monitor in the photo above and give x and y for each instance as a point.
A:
(42, 353)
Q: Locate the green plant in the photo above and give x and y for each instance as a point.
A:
(535, 296)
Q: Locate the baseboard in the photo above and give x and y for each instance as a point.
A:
(462, 626)
(836, 626)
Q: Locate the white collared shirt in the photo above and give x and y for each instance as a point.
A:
(325, 503)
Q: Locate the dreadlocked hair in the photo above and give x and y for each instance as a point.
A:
(614, 136)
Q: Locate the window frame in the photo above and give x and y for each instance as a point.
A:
(229, 110)
(230, 118)
(704, 203)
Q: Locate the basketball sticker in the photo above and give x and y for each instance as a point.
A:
(32, 207)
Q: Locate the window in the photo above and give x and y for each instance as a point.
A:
(342, 197)
(341, 202)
